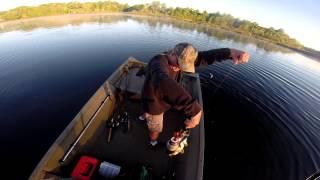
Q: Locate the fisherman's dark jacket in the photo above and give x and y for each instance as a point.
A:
(161, 91)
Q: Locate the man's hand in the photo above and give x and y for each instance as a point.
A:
(194, 121)
(239, 57)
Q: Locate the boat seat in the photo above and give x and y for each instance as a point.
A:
(132, 82)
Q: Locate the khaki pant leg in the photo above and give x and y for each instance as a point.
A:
(155, 122)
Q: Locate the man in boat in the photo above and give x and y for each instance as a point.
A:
(161, 91)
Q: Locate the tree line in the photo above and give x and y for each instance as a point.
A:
(156, 8)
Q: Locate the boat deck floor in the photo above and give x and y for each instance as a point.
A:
(131, 148)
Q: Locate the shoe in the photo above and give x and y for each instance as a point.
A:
(154, 145)
(140, 119)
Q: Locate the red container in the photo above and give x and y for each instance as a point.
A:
(85, 168)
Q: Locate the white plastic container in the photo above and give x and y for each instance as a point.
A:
(109, 170)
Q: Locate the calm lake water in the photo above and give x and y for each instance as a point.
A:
(262, 118)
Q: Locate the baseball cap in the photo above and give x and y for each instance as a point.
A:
(187, 56)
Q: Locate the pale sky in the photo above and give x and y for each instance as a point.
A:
(300, 19)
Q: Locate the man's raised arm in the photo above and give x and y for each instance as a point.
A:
(218, 55)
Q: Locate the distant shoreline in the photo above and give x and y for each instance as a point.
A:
(157, 9)
(76, 16)
(81, 15)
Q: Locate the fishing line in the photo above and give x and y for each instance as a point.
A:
(220, 84)
(222, 81)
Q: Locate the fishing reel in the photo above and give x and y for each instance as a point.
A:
(178, 142)
(113, 123)
(121, 119)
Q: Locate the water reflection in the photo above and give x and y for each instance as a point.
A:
(57, 21)
(152, 22)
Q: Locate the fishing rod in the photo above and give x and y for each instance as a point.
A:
(73, 145)
(315, 176)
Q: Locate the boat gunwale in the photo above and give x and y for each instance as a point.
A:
(39, 171)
